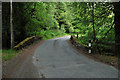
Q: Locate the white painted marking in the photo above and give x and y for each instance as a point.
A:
(89, 44)
(90, 51)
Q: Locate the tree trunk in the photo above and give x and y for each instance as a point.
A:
(11, 25)
(117, 27)
(94, 36)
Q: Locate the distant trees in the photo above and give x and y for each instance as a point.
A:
(63, 15)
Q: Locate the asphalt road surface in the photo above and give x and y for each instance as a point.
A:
(55, 58)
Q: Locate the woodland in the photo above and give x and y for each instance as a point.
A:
(95, 21)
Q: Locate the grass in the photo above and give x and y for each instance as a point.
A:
(9, 54)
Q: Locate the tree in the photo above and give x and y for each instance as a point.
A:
(11, 26)
(117, 27)
(63, 15)
(93, 22)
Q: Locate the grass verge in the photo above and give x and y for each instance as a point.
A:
(9, 54)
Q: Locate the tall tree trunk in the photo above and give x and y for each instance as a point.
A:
(94, 37)
(11, 26)
(117, 27)
(1, 39)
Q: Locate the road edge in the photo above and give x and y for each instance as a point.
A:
(11, 65)
(80, 51)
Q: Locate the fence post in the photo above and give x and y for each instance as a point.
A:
(89, 44)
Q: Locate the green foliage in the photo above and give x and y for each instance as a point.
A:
(53, 33)
(63, 28)
(52, 19)
(77, 30)
(71, 29)
(9, 54)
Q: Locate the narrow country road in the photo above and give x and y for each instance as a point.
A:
(55, 58)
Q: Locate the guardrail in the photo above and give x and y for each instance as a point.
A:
(26, 42)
